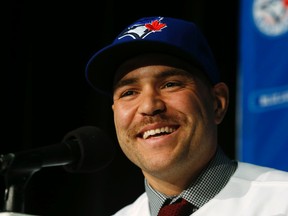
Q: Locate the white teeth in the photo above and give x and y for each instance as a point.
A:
(157, 131)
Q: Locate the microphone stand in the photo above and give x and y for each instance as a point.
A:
(16, 181)
(19, 167)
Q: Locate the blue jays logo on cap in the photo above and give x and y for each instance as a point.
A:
(142, 29)
(175, 37)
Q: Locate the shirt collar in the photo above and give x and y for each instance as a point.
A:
(207, 185)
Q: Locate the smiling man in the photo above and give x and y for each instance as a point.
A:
(165, 117)
(168, 101)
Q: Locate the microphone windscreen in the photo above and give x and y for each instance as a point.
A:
(93, 148)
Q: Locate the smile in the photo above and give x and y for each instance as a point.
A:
(158, 132)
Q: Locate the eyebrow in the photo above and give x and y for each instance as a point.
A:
(124, 82)
(174, 72)
(163, 75)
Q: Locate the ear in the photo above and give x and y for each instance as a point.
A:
(221, 101)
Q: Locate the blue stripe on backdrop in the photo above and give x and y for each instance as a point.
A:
(262, 103)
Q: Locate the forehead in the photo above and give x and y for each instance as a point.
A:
(151, 60)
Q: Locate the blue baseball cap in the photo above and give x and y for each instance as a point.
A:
(167, 35)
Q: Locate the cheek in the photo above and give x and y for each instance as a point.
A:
(122, 116)
(195, 107)
(184, 104)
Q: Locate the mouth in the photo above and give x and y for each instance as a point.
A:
(157, 132)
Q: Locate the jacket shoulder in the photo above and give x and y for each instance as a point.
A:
(251, 172)
(139, 207)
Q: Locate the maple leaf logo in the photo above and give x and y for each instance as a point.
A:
(155, 26)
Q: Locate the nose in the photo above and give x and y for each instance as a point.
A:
(151, 103)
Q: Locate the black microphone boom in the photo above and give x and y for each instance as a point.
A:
(86, 149)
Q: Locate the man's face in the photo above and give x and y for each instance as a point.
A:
(164, 117)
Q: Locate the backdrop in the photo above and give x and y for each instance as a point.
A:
(262, 110)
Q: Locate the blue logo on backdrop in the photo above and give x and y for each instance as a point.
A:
(271, 16)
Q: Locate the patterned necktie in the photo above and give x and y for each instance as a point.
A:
(179, 208)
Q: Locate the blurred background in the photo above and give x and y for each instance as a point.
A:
(46, 95)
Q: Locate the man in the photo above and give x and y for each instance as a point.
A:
(168, 101)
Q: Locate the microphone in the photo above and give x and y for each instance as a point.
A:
(84, 150)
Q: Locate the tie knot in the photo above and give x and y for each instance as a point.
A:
(179, 208)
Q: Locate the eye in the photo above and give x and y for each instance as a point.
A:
(127, 93)
(171, 84)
